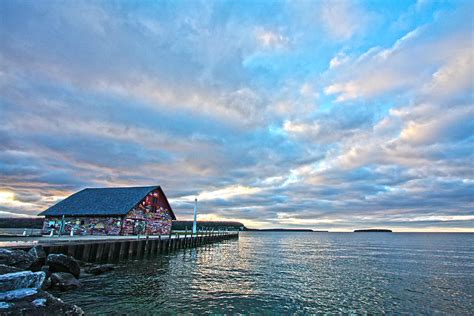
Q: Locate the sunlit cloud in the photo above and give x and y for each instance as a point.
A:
(225, 193)
(6, 196)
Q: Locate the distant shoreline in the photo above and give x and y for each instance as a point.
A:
(373, 231)
(293, 230)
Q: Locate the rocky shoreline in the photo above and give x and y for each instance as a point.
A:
(25, 278)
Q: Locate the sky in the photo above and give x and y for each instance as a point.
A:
(331, 115)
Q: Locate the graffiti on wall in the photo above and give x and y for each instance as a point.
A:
(84, 225)
(151, 217)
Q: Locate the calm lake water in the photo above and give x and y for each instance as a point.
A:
(294, 273)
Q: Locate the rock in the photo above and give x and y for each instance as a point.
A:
(39, 257)
(63, 263)
(99, 269)
(5, 305)
(16, 258)
(46, 284)
(21, 280)
(46, 270)
(64, 281)
(16, 294)
(84, 264)
(8, 269)
(41, 303)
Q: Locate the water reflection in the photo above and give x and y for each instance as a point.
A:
(295, 273)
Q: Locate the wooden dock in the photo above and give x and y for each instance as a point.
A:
(113, 250)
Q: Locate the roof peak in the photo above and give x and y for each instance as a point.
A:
(134, 187)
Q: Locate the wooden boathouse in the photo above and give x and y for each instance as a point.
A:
(111, 211)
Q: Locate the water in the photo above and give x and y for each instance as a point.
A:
(294, 273)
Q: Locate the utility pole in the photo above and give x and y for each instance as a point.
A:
(195, 216)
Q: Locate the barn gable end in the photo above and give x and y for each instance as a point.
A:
(152, 216)
(112, 211)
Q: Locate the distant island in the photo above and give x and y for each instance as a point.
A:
(372, 231)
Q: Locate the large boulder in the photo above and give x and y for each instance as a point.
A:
(39, 303)
(8, 269)
(64, 281)
(39, 257)
(99, 269)
(63, 263)
(21, 280)
(17, 294)
(16, 258)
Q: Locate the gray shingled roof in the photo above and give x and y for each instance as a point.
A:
(102, 202)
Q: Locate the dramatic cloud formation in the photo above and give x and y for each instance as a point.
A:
(317, 114)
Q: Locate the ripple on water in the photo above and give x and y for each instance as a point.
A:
(296, 273)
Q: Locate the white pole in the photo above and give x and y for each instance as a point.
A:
(61, 227)
(195, 216)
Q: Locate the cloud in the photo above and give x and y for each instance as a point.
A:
(236, 104)
(405, 66)
(454, 76)
(338, 60)
(270, 39)
(454, 125)
(342, 19)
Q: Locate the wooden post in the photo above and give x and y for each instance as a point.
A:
(186, 238)
(141, 248)
(169, 242)
(70, 250)
(86, 252)
(110, 253)
(147, 246)
(79, 252)
(115, 251)
(157, 246)
(64, 250)
(93, 252)
(133, 249)
(105, 252)
(123, 254)
(98, 254)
